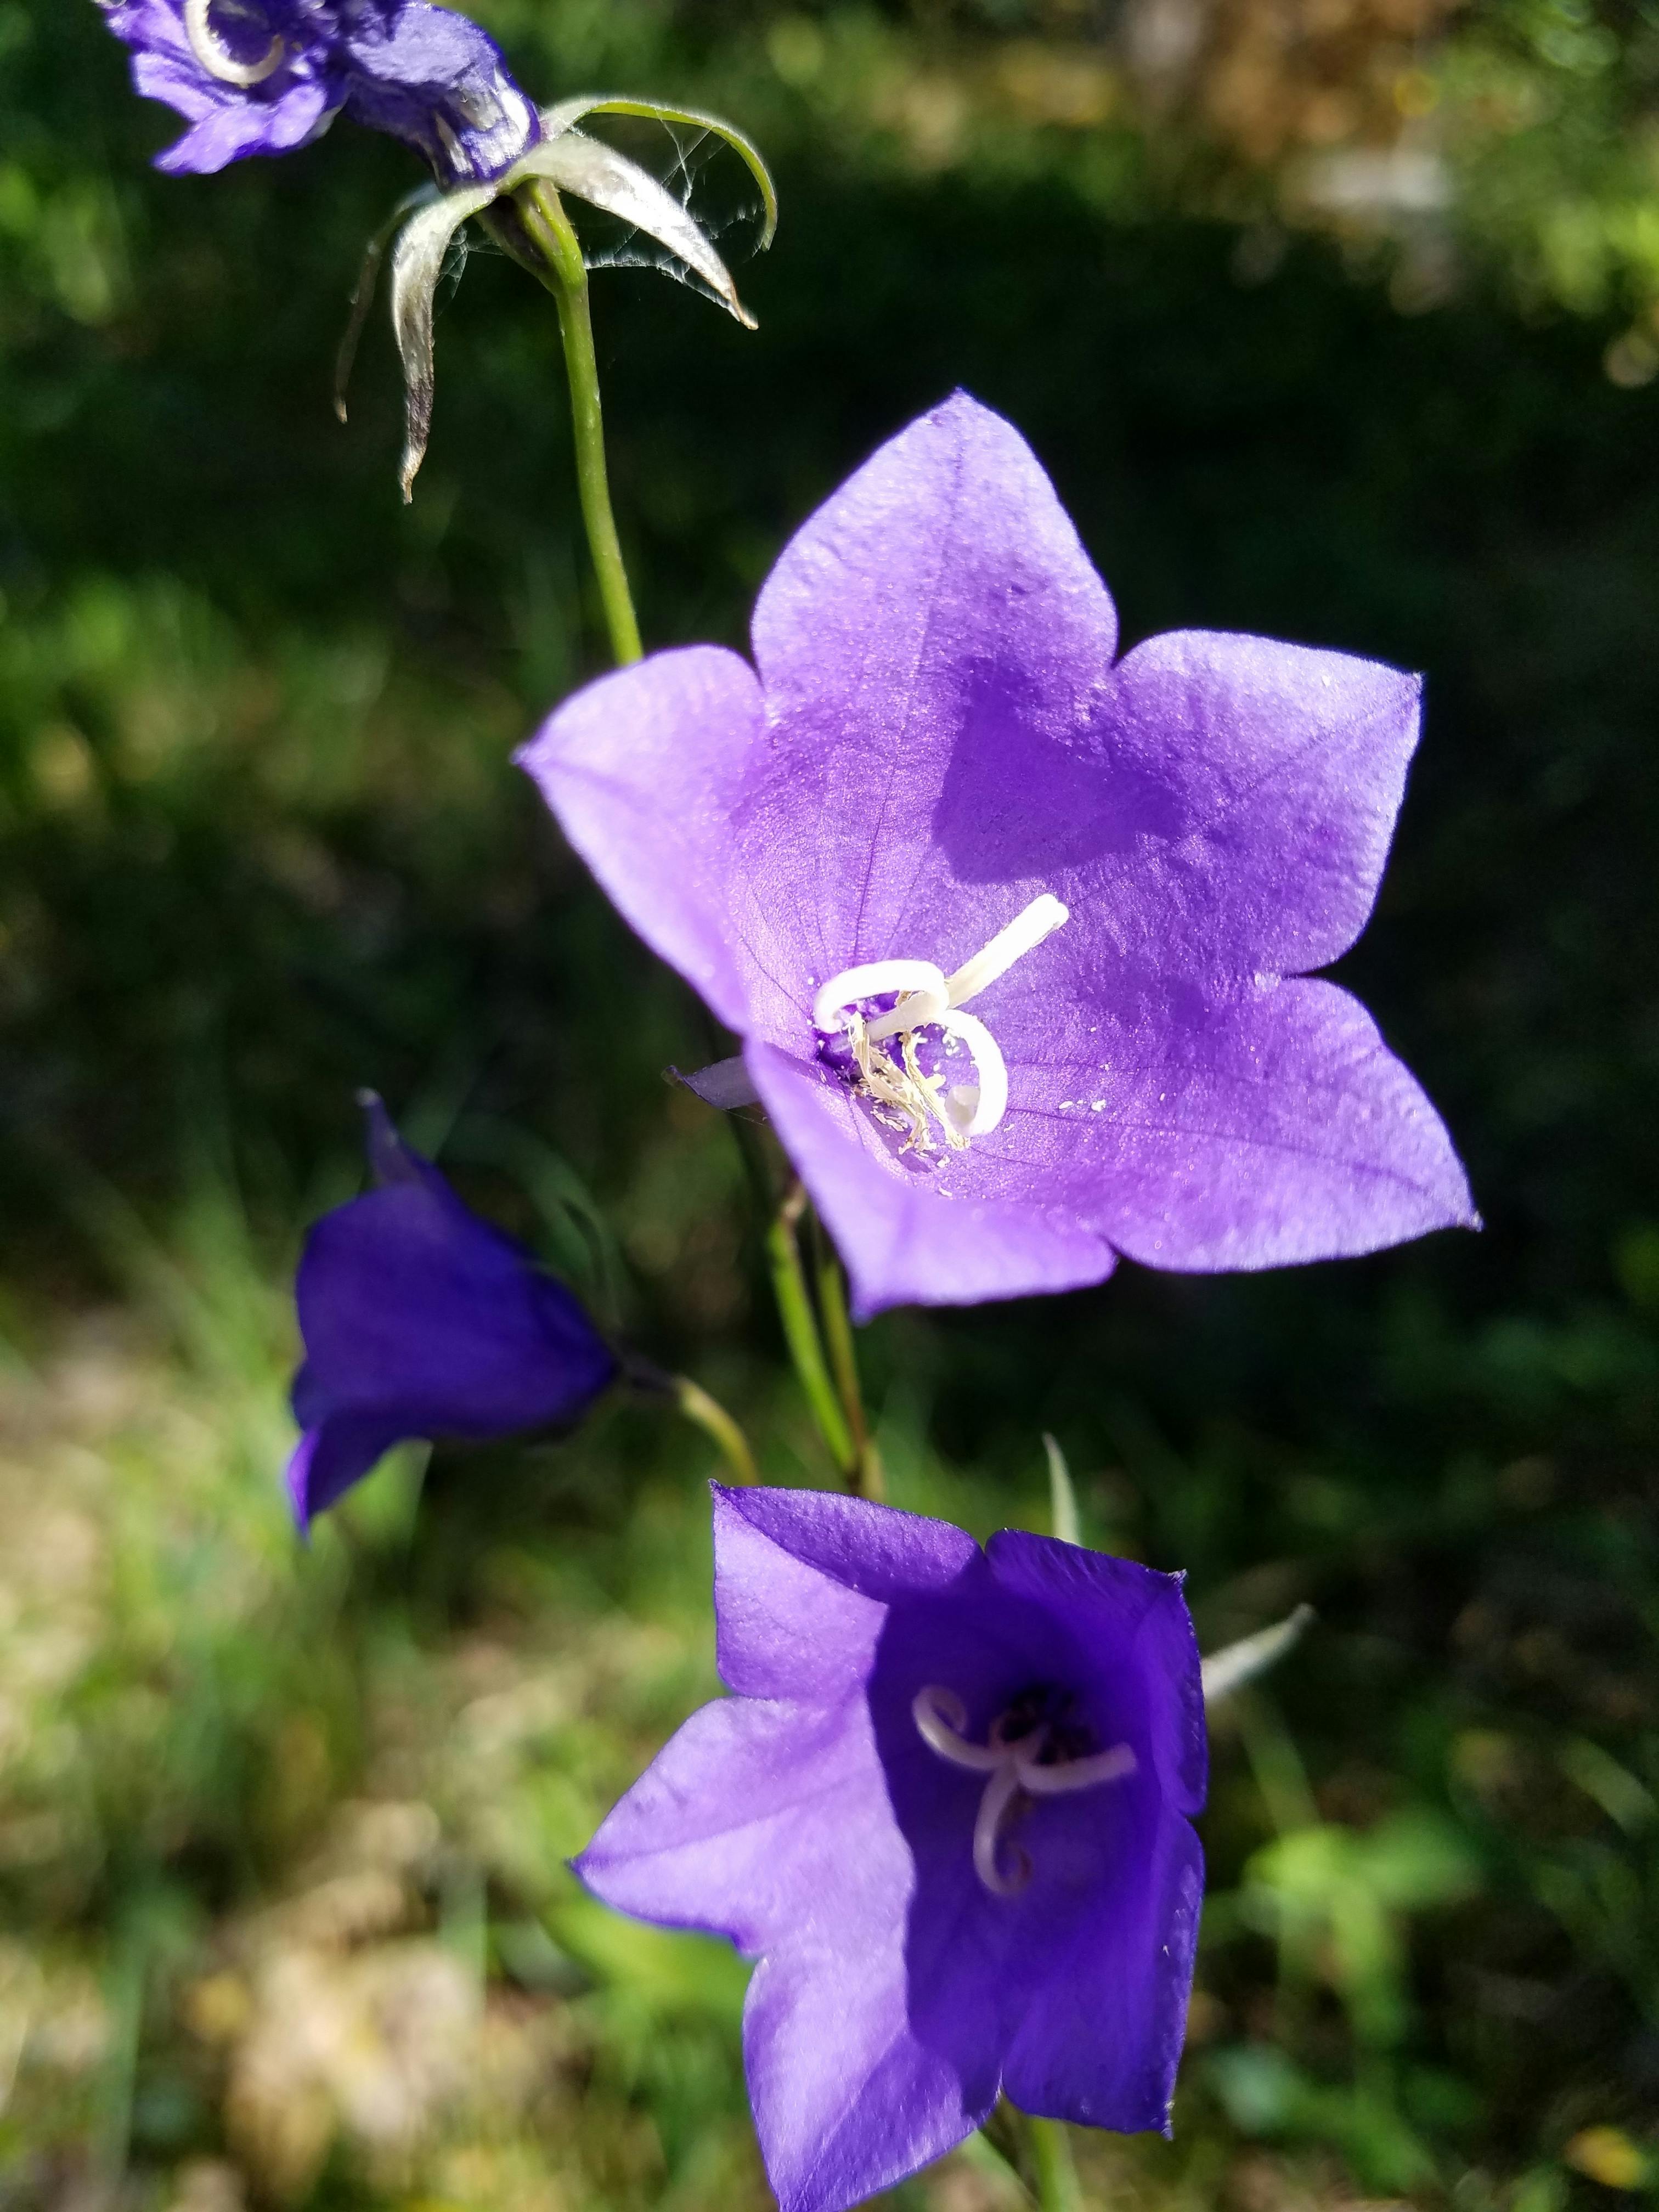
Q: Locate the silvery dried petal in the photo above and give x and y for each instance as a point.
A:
(417, 261)
(590, 170)
(1236, 1664)
(726, 1084)
(572, 163)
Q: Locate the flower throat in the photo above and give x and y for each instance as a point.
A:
(887, 1045)
(1035, 1748)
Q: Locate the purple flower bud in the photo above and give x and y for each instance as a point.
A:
(1017, 934)
(420, 1319)
(262, 76)
(947, 1812)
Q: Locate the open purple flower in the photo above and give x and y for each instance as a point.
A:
(420, 1319)
(942, 791)
(262, 76)
(947, 1810)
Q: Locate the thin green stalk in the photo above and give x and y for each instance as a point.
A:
(1275, 1764)
(1052, 2171)
(750, 1141)
(800, 1331)
(112, 2134)
(546, 223)
(868, 1480)
(697, 1405)
(712, 1417)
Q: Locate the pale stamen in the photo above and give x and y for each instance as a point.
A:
(996, 1809)
(914, 1011)
(1016, 1774)
(925, 999)
(940, 1717)
(1022, 935)
(1068, 1774)
(900, 1095)
(873, 979)
(215, 59)
(990, 1101)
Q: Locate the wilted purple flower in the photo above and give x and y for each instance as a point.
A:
(943, 787)
(433, 78)
(420, 1319)
(947, 1811)
(261, 76)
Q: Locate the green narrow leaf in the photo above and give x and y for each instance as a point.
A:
(1062, 1498)
(1235, 1664)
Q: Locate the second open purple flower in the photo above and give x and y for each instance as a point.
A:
(948, 1810)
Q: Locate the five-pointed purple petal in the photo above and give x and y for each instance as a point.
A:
(420, 1319)
(904, 1980)
(936, 740)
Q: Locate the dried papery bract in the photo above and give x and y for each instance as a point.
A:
(362, 292)
(265, 76)
(417, 261)
(571, 163)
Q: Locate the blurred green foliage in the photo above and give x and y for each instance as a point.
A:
(1331, 319)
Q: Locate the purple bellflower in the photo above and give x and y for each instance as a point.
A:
(262, 76)
(947, 1811)
(939, 789)
(420, 1319)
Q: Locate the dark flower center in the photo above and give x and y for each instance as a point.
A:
(1039, 1745)
(1067, 1734)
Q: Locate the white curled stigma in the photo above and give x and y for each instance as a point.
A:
(215, 59)
(926, 998)
(1015, 1775)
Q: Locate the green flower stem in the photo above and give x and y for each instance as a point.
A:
(800, 1331)
(1052, 2170)
(712, 1417)
(867, 1479)
(546, 224)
